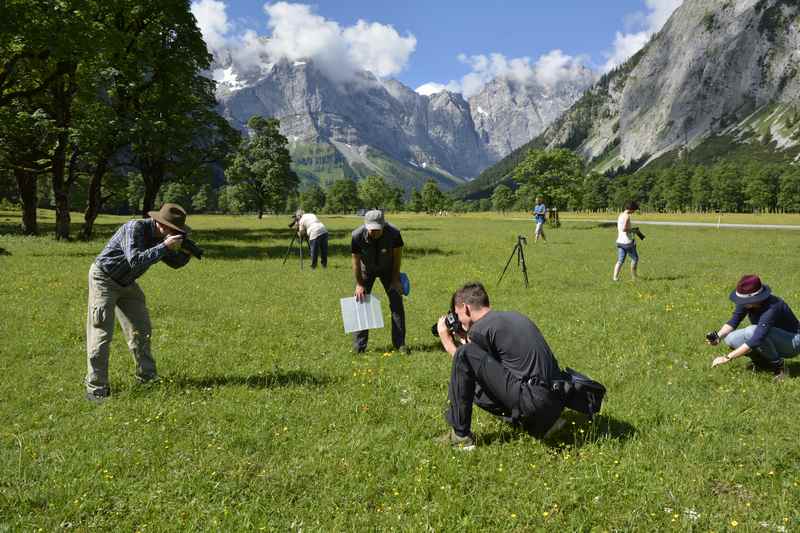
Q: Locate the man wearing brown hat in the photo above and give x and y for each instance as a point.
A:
(377, 249)
(773, 335)
(134, 248)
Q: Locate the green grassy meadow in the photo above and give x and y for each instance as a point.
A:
(266, 421)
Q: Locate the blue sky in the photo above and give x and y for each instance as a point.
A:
(442, 43)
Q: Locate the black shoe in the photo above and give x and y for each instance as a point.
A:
(780, 373)
(98, 395)
(359, 349)
(404, 350)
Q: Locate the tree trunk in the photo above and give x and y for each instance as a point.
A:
(95, 200)
(152, 177)
(63, 92)
(26, 183)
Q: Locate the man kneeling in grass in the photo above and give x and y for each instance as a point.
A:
(503, 365)
(773, 335)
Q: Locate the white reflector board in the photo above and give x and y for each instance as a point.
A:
(360, 316)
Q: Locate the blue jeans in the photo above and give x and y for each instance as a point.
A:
(622, 252)
(777, 344)
(319, 249)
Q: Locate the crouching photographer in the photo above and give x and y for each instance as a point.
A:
(503, 365)
(773, 335)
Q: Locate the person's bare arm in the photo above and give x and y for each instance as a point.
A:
(397, 259)
(361, 290)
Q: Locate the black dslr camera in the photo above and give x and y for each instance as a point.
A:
(295, 218)
(638, 233)
(712, 337)
(452, 323)
(190, 246)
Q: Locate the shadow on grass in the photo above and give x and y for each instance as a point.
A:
(269, 380)
(233, 252)
(662, 278)
(589, 225)
(577, 431)
(3, 251)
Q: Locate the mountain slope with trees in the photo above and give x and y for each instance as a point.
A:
(719, 81)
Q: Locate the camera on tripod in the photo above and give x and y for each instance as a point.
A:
(294, 221)
(452, 322)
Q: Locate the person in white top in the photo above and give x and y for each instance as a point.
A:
(626, 245)
(309, 227)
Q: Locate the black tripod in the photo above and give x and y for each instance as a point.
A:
(289, 250)
(520, 260)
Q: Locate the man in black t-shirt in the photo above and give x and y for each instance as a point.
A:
(377, 249)
(503, 365)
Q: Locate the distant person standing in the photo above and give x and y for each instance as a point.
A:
(539, 213)
(309, 227)
(626, 245)
(377, 250)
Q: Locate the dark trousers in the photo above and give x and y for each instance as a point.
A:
(360, 338)
(480, 379)
(319, 249)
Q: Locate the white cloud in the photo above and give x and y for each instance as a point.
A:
(549, 70)
(647, 23)
(379, 48)
(212, 21)
(428, 89)
(297, 33)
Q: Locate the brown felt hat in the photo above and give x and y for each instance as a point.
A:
(173, 216)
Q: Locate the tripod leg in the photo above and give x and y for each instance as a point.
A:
(289, 249)
(522, 264)
(507, 263)
(301, 253)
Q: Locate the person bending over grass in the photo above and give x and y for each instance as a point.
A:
(377, 250)
(503, 365)
(135, 247)
(626, 245)
(309, 227)
(773, 335)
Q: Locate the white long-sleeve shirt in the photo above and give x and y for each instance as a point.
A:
(310, 225)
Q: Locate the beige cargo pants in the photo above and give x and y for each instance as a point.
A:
(106, 296)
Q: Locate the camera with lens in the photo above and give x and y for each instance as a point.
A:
(452, 323)
(190, 246)
(295, 218)
(712, 337)
(638, 233)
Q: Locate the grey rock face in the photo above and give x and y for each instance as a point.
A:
(437, 131)
(712, 65)
(388, 116)
(508, 113)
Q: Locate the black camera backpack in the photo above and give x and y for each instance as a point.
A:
(580, 392)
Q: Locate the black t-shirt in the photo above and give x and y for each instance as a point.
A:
(376, 255)
(514, 340)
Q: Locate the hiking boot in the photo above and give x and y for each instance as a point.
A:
(555, 428)
(465, 443)
(780, 373)
(98, 395)
(759, 364)
(149, 380)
